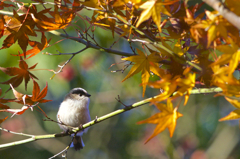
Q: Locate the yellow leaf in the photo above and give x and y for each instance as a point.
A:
(234, 102)
(167, 118)
(167, 84)
(232, 116)
(144, 64)
(215, 25)
(231, 56)
(185, 85)
(154, 9)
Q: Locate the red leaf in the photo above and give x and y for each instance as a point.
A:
(16, 111)
(37, 47)
(19, 74)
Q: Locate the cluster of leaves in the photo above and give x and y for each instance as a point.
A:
(183, 46)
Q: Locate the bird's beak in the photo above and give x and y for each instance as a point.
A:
(88, 95)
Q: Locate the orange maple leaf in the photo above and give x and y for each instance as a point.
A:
(36, 97)
(16, 111)
(37, 47)
(167, 118)
(19, 27)
(60, 20)
(2, 120)
(19, 74)
(29, 101)
(144, 64)
(167, 84)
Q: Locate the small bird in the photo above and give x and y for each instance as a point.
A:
(74, 112)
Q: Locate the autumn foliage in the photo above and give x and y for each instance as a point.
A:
(187, 49)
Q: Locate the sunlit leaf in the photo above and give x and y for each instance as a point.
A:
(37, 47)
(232, 116)
(18, 28)
(215, 25)
(154, 9)
(60, 20)
(144, 64)
(167, 118)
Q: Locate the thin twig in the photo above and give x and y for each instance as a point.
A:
(91, 45)
(16, 133)
(118, 99)
(62, 66)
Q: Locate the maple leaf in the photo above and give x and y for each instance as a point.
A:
(29, 101)
(37, 47)
(167, 85)
(185, 84)
(234, 101)
(2, 120)
(16, 111)
(234, 114)
(231, 55)
(19, 74)
(19, 27)
(154, 9)
(101, 20)
(60, 20)
(167, 118)
(215, 26)
(228, 83)
(36, 97)
(144, 64)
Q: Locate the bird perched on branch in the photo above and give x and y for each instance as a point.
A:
(74, 112)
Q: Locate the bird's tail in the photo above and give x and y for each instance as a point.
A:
(77, 143)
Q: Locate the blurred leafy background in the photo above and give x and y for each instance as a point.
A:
(198, 134)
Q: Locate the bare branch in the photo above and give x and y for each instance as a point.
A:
(91, 45)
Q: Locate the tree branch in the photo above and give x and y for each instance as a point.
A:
(91, 45)
(93, 122)
(224, 11)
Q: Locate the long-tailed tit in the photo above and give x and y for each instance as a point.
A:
(74, 112)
